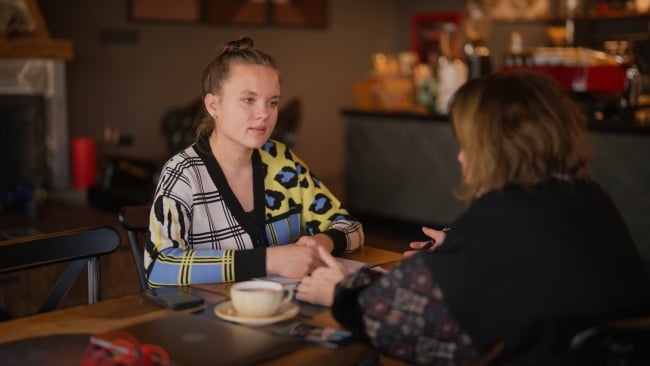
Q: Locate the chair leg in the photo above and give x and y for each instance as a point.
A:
(137, 258)
(93, 280)
(62, 285)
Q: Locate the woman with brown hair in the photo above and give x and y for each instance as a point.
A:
(540, 254)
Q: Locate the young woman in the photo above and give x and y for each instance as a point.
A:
(236, 205)
(540, 254)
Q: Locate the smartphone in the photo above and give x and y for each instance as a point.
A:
(173, 298)
(327, 337)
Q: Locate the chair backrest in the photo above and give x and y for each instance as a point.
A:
(489, 356)
(79, 248)
(135, 221)
(124, 181)
(615, 342)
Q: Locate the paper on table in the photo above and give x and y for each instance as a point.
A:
(349, 264)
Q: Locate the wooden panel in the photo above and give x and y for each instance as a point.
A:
(36, 43)
(37, 48)
(165, 10)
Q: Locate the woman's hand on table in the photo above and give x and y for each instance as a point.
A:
(437, 238)
(314, 241)
(318, 288)
(292, 260)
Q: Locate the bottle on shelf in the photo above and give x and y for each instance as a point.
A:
(478, 25)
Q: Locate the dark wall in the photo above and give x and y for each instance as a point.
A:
(127, 75)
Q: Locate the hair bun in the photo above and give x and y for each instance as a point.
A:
(245, 42)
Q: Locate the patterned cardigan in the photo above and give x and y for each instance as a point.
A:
(199, 233)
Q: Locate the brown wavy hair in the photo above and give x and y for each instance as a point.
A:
(240, 51)
(517, 128)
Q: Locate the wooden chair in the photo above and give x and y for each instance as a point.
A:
(79, 248)
(615, 342)
(124, 181)
(135, 221)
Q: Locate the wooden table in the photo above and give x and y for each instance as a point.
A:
(61, 336)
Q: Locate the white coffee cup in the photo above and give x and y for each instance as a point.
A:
(258, 298)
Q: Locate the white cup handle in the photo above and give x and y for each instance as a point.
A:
(287, 295)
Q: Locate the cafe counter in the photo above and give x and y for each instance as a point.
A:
(402, 165)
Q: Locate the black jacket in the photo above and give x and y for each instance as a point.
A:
(533, 268)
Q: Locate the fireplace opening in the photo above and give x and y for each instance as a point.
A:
(23, 147)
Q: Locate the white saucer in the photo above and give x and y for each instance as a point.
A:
(226, 311)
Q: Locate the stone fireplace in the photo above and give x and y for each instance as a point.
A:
(33, 100)
(34, 121)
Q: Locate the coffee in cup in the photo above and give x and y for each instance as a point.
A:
(258, 298)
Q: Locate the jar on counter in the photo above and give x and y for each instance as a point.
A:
(452, 73)
(425, 86)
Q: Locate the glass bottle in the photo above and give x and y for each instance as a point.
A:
(478, 25)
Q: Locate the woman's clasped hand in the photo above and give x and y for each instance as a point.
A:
(318, 288)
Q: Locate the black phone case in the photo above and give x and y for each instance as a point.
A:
(172, 298)
(319, 335)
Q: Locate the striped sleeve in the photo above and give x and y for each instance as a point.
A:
(188, 245)
(173, 262)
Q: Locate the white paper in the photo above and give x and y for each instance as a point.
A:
(349, 264)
